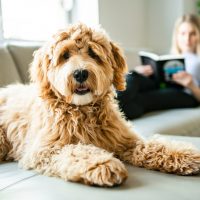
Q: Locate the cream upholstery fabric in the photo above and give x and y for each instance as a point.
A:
(23, 55)
(171, 122)
(8, 71)
(142, 184)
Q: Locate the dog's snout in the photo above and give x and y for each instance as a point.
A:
(80, 75)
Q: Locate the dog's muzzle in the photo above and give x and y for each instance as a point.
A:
(80, 75)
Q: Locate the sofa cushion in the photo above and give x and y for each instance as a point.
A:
(142, 184)
(11, 174)
(22, 54)
(171, 122)
(8, 70)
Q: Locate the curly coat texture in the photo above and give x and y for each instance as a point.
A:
(67, 124)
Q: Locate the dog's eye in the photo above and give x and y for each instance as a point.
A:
(92, 54)
(66, 55)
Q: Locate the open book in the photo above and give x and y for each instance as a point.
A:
(164, 67)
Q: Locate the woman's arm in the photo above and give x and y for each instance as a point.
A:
(186, 80)
(145, 70)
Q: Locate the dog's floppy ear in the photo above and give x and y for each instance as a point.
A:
(38, 69)
(120, 67)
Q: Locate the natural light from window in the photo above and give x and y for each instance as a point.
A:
(34, 19)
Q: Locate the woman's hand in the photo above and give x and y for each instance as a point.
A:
(183, 78)
(145, 70)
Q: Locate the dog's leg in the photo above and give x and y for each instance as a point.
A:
(167, 156)
(79, 163)
(156, 153)
(4, 145)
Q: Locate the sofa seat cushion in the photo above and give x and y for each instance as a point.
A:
(171, 122)
(142, 184)
(11, 174)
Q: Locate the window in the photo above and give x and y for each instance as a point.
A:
(34, 19)
(37, 20)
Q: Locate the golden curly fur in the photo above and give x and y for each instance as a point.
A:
(67, 124)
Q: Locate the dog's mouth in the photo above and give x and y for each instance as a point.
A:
(81, 90)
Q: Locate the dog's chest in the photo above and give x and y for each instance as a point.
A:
(84, 126)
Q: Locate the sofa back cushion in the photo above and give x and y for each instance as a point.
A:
(22, 55)
(8, 71)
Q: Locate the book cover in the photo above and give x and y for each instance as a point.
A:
(164, 67)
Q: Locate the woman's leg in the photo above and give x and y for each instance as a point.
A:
(163, 99)
(142, 96)
(135, 84)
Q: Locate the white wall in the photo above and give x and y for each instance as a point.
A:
(124, 20)
(189, 6)
(1, 29)
(142, 24)
(162, 15)
(86, 11)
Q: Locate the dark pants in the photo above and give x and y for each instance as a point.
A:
(142, 95)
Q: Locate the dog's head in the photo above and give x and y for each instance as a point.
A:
(80, 64)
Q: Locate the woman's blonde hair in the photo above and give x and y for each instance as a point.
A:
(194, 21)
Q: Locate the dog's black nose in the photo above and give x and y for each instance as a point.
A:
(80, 75)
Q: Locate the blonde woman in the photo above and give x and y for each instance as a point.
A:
(186, 41)
(143, 95)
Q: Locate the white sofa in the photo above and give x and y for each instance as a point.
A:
(183, 122)
(18, 184)
(142, 184)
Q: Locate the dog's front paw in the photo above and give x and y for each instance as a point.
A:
(109, 173)
(183, 161)
(168, 156)
(181, 158)
(189, 163)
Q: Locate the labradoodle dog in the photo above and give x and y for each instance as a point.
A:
(67, 124)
